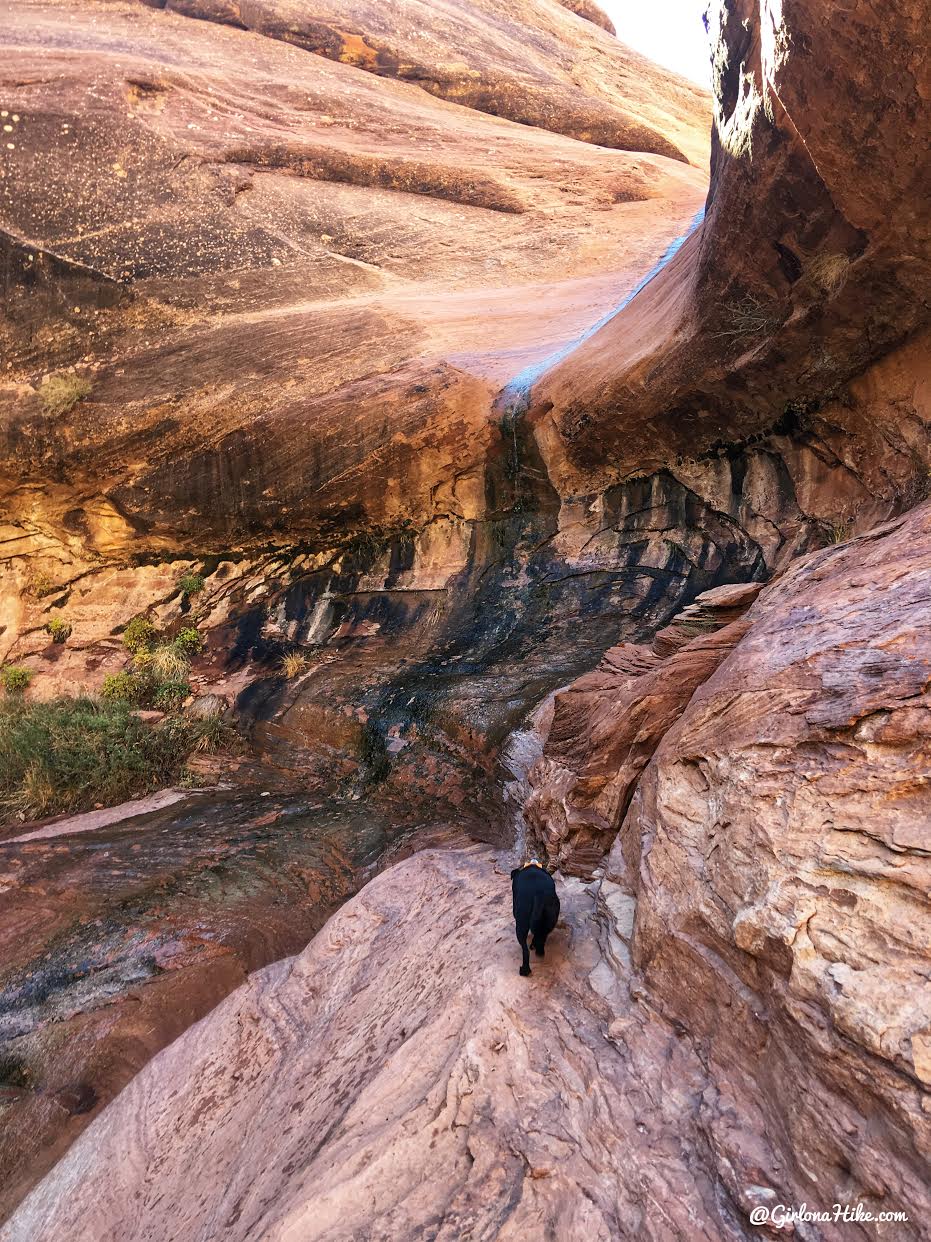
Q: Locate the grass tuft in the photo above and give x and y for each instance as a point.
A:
(294, 663)
(71, 754)
(829, 272)
(167, 663)
(839, 532)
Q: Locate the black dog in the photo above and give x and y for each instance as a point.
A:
(536, 908)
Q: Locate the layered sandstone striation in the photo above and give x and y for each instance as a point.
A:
(602, 731)
(530, 62)
(321, 282)
(779, 851)
(734, 1014)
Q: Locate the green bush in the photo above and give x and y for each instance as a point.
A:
(58, 628)
(15, 680)
(70, 754)
(166, 695)
(188, 641)
(140, 635)
(191, 584)
(145, 687)
(120, 688)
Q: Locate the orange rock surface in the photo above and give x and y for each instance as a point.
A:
(734, 1015)
(399, 326)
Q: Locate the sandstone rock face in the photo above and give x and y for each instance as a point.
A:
(778, 848)
(382, 298)
(591, 12)
(734, 1016)
(292, 275)
(400, 1080)
(812, 260)
(604, 729)
(122, 928)
(529, 62)
(321, 280)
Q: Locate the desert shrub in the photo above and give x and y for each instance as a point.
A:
(158, 676)
(294, 663)
(70, 754)
(839, 532)
(188, 641)
(120, 687)
(58, 629)
(40, 584)
(140, 635)
(190, 584)
(748, 316)
(829, 272)
(167, 695)
(61, 393)
(14, 679)
(14, 1071)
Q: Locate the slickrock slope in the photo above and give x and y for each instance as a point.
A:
(735, 1016)
(400, 1080)
(528, 60)
(119, 930)
(323, 282)
(292, 282)
(591, 12)
(294, 287)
